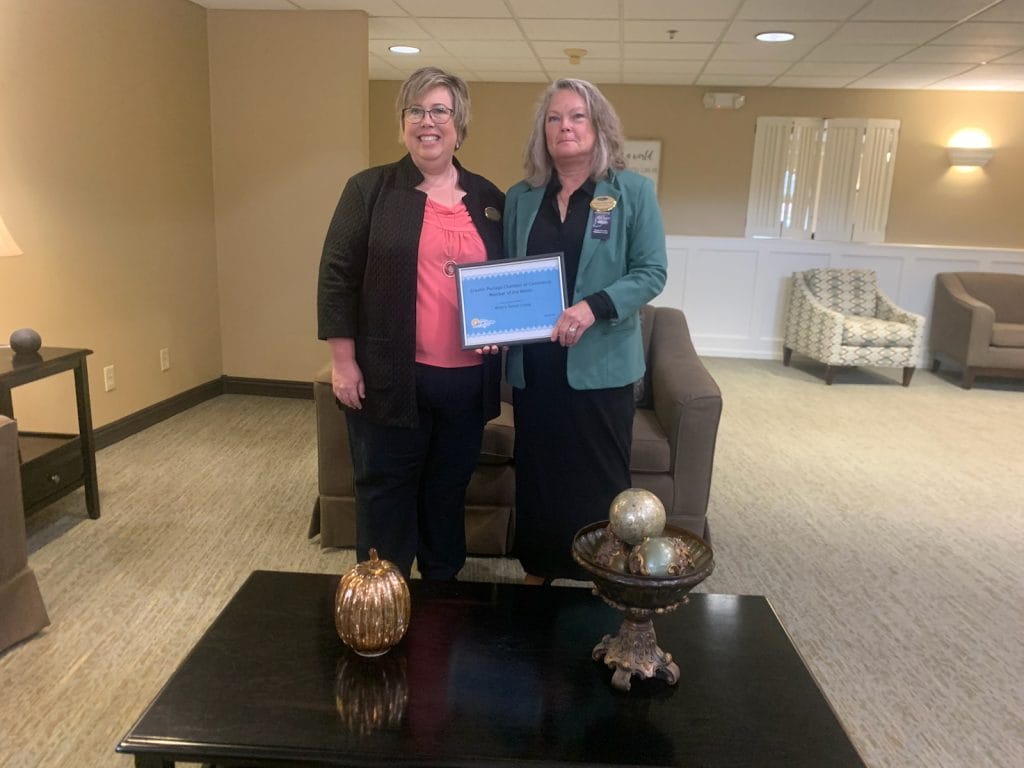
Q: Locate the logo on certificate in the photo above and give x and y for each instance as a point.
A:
(479, 322)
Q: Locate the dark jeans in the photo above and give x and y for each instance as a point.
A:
(411, 481)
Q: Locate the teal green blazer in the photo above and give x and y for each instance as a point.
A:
(630, 266)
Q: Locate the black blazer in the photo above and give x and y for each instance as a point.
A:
(367, 284)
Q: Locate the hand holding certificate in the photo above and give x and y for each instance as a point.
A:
(510, 301)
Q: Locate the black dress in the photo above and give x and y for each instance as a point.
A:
(572, 446)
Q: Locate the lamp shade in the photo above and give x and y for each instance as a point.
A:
(7, 245)
(976, 156)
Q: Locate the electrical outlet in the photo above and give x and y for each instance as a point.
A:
(165, 359)
(108, 378)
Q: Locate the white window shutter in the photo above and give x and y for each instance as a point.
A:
(840, 165)
(802, 182)
(878, 162)
(783, 177)
(771, 156)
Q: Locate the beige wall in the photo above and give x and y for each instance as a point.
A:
(106, 184)
(289, 102)
(706, 154)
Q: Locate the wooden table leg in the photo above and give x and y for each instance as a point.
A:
(92, 492)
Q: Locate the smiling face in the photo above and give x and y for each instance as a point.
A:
(431, 145)
(568, 129)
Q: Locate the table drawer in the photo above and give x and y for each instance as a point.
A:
(47, 477)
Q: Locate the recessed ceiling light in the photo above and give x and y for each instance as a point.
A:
(775, 37)
(407, 50)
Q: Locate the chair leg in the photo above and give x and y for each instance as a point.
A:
(968, 381)
(830, 374)
(787, 355)
(908, 374)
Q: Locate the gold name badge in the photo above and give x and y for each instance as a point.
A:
(603, 204)
(492, 213)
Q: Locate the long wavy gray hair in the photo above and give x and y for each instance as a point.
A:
(609, 144)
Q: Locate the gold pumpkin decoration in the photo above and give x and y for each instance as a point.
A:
(372, 607)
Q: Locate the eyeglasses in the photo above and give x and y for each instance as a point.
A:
(439, 114)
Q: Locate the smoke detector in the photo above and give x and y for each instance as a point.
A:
(575, 54)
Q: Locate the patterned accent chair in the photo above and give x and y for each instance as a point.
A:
(839, 317)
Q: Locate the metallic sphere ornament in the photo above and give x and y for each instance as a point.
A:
(636, 514)
(660, 556)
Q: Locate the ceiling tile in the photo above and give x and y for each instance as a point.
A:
(504, 76)
(770, 10)
(685, 31)
(679, 9)
(658, 79)
(1008, 10)
(396, 29)
(640, 66)
(759, 68)
(548, 29)
(889, 84)
(677, 51)
(372, 7)
(831, 69)
(875, 32)
(795, 81)
(586, 65)
(963, 54)
(915, 10)
(554, 48)
(878, 54)
(472, 29)
(920, 72)
(984, 33)
(457, 9)
(759, 52)
(565, 9)
(489, 49)
(733, 80)
(1013, 58)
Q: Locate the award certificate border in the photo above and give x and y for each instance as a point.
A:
(493, 323)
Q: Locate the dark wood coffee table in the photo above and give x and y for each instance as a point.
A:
(487, 675)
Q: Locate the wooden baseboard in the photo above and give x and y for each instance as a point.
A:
(118, 430)
(236, 385)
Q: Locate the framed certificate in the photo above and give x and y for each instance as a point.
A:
(510, 301)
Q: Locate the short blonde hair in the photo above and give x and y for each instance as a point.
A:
(426, 79)
(608, 146)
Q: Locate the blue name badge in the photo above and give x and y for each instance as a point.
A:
(601, 226)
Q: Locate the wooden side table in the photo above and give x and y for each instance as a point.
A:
(53, 465)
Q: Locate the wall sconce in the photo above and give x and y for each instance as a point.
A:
(969, 156)
(969, 148)
(7, 245)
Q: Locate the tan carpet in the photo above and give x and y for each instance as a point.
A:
(886, 526)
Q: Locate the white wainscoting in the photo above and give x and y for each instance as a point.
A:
(734, 290)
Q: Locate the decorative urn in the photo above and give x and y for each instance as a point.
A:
(372, 606)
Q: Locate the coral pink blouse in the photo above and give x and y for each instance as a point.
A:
(448, 238)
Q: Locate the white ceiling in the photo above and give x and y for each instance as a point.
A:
(918, 44)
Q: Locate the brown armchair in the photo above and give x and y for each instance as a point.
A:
(978, 323)
(674, 432)
(22, 612)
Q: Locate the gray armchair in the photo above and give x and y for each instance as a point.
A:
(674, 432)
(22, 612)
